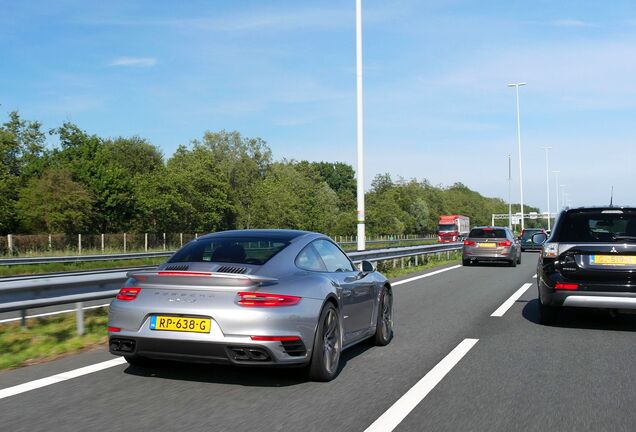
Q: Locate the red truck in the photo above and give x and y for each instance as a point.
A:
(452, 228)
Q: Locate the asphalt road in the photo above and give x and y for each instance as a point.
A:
(514, 374)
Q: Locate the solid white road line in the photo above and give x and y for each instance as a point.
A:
(32, 385)
(400, 409)
(52, 313)
(501, 310)
(414, 278)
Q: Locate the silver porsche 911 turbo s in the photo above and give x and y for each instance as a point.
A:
(252, 297)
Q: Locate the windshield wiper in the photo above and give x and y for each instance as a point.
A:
(624, 237)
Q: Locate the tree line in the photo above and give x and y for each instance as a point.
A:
(66, 180)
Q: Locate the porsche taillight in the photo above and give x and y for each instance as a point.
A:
(128, 293)
(258, 299)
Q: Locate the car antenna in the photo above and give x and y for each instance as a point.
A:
(612, 197)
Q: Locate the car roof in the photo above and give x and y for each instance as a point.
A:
(600, 208)
(490, 226)
(279, 234)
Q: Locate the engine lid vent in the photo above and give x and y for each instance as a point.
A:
(231, 269)
(178, 267)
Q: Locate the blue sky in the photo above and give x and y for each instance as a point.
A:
(435, 74)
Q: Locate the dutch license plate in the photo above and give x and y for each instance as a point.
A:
(180, 324)
(617, 260)
(487, 245)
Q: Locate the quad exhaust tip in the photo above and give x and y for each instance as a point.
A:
(249, 354)
(122, 345)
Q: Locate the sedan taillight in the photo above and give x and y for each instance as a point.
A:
(469, 243)
(257, 299)
(506, 243)
(128, 293)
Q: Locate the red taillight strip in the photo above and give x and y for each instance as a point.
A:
(128, 293)
(114, 329)
(469, 243)
(276, 338)
(566, 286)
(184, 273)
(505, 243)
(257, 299)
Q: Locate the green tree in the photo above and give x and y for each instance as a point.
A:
(55, 203)
(244, 163)
(190, 194)
(136, 155)
(91, 163)
(290, 198)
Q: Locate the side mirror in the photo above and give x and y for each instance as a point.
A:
(368, 267)
(539, 238)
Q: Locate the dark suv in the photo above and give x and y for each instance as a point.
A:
(588, 261)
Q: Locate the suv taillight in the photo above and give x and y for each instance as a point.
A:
(566, 286)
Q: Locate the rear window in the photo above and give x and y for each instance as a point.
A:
(487, 233)
(527, 234)
(240, 250)
(598, 227)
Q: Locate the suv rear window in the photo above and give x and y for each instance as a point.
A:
(239, 250)
(598, 227)
(487, 233)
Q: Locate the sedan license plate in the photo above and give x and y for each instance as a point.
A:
(180, 324)
(615, 260)
(487, 245)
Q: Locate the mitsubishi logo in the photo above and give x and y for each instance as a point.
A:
(614, 250)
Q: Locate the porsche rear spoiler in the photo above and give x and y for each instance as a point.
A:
(198, 278)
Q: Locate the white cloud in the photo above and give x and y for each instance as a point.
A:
(134, 62)
(261, 19)
(569, 22)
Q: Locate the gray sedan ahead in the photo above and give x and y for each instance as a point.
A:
(491, 244)
(252, 297)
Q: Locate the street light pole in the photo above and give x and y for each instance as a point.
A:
(510, 192)
(563, 204)
(547, 180)
(556, 186)
(516, 86)
(360, 129)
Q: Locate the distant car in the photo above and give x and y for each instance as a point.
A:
(525, 239)
(492, 244)
(588, 261)
(252, 297)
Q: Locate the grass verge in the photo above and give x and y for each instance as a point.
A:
(50, 337)
(424, 263)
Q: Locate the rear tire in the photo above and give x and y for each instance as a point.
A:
(519, 259)
(466, 262)
(513, 263)
(384, 322)
(325, 357)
